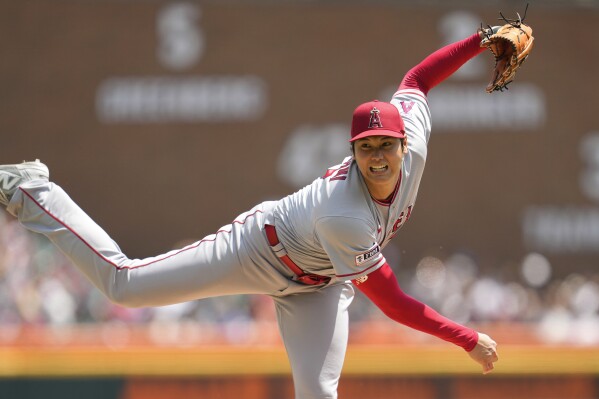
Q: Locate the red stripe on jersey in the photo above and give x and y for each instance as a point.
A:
(338, 173)
(191, 246)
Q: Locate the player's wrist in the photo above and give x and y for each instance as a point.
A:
(486, 32)
(472, 340)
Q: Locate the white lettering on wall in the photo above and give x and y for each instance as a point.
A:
(569, 229)
(191, 99)
(180, 39)
(554, 229)
(173, 98)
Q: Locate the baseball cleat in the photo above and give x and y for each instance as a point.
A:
(12, 176)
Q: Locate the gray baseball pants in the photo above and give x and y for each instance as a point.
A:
(313, 321)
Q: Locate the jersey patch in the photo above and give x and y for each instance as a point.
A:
(407, 106)
(361, 280)
(371, 253)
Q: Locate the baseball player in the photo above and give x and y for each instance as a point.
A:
(308, 251)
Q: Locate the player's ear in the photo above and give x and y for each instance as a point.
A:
(404, 144)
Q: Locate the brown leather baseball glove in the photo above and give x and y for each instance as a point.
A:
(510, 44)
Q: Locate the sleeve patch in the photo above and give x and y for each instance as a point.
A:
(371, 253)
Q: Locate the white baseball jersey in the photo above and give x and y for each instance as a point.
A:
(333, 227)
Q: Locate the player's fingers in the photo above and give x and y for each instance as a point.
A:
(494, 356)
(488, 367)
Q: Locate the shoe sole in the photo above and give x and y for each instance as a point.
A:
(40, 168)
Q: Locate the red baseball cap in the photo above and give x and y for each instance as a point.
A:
(377, 118)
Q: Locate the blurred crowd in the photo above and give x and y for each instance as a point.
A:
(40, 287)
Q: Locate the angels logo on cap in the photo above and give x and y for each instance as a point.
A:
(377, 118)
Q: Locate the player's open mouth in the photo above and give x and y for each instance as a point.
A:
(378, 169)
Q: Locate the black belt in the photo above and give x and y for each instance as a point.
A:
(277, 247)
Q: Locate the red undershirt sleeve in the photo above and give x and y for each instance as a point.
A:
(441, 64)
(383, 290)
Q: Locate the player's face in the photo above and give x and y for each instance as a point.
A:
(379, 159)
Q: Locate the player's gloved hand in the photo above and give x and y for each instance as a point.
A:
(510, 45)
(485, 352)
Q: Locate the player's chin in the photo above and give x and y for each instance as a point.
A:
(380, 179)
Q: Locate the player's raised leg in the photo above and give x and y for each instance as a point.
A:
(210, 267)
(314, 328)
